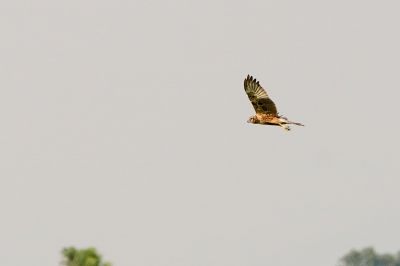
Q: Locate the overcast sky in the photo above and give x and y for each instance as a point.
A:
(123, 126)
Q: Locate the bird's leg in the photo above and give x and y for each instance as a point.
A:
(285, 127)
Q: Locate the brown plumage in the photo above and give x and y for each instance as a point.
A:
(266, 112)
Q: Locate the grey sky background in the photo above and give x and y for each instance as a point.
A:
(123, 126)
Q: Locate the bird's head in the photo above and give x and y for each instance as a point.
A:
(253, 120)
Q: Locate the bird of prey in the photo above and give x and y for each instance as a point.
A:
(266, 112)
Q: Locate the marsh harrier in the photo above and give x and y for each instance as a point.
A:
(266, 112)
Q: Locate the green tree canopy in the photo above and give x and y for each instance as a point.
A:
(368, 257)
(82, 257)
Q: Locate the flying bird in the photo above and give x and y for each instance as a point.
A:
(266, 112)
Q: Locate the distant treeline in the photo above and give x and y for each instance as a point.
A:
(369, 257)
(365, 257)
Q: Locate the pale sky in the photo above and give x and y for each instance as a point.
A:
(123, 126)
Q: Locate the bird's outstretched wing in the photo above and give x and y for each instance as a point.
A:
(259, 97)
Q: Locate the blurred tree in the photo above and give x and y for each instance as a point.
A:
(82, 257)
(368, 257)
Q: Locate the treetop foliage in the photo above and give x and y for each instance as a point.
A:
(82, 257)
(369, 257)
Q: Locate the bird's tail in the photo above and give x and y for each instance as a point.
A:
(286, 121)
(295, 123)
